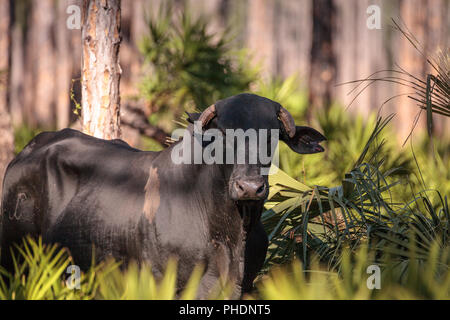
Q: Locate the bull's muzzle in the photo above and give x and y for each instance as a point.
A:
(249, 189)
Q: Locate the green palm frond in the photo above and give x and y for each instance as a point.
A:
(40, 273)
(302, 220)
(413, 278)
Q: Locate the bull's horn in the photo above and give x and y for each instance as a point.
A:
(207, 115)
(288, 122)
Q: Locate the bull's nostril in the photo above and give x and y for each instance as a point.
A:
(249, 189)
(260, 189)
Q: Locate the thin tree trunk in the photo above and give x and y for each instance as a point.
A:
(360, 51)
(437, 38)
(63, 67)
(413, 13)
(260, 34)
(40, 65)
(100, 68)
(16, 80)
(75, 58)
(130, 61)
(294, 38)
(346, 47)
(6, 135)
(322, 76)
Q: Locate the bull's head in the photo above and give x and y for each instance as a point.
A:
(249, 111)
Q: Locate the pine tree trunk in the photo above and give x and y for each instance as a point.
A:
(40, 65)
(322, 76)
(63, 68)
(360, 51)
(294, 38)
(6, 135)
(17, 76)
(100, 68)
(413, 13)
(260, 34)
(437, 38)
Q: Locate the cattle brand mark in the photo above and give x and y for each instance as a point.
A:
(17, 213)
(152, 197)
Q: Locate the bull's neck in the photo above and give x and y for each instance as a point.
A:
(208, 185)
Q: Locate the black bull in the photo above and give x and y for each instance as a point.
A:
(83, 192)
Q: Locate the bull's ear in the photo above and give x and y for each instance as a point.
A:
(194, 116)
(305, 140)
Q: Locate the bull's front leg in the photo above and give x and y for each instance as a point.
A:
(225, 267)
(255, 255)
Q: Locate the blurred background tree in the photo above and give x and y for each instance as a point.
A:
(6, 133)
(322, 73)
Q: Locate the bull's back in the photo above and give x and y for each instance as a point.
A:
(50, 187)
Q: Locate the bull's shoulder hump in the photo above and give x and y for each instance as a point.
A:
(76, 149)
(74, 141)
(47, 138)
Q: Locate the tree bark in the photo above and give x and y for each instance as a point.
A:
(6, 135)
(322, 76)
(63, 68)
(100, 68)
